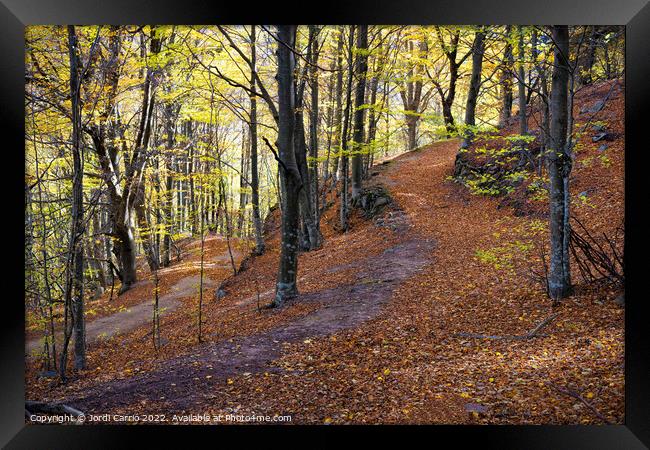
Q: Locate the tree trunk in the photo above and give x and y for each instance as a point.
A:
(506, 80)
(74, 282)
(169, 184)
(411, 132)
(190, 176)
(98, 250)
(472, 96)
(559, 168)
(411, 93)
(312, 235)
(313, 126)
(344, 137)
(137, 165)
(373, 118)
(255, 189)
(588, 57)
(243, 178)
(290, 180)
(523, 121)
(361, 67)
(448, 117)
(338, 112)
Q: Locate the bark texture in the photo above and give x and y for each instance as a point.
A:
(559, 168)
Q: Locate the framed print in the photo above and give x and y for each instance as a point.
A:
(426, 217)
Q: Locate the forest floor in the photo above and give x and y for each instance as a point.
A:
(382, 331)
(111, 314)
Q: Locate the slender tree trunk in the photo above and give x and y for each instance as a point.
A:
(506, 80)
(448, 101)
(372, 124)
(190, 176)
(49, 333)
(588, 58)
(243, 196)
(359, 112)
(312, 235)
(169, 185)
(472, 97)
(523, 121)
(338, 112)
(313, 122)
(411, 93)
(559, 167)
(344, 138)
(138, 163)
(74, 286)
(98, 251)
(255, 185)
(290, 180)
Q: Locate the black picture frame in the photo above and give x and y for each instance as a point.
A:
(634, 14)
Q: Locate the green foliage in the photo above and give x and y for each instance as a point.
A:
(514, 254)
(537, 189)
(502, 257)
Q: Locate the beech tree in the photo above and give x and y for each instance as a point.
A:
(127, 198)
(255, 185)
(559, 169)
(361, 67)
(478, 48)
(505, 79)
(411, 89)
(450, 48)
(521, 82)
(74, 292)
(291, 182)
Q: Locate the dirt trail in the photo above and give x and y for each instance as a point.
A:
(134, 316)
(186, 380)
(183, 380)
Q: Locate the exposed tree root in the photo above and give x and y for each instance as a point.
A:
(535, 332)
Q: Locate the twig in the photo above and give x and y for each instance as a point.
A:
(294, 173)
(275, 154)
(571, 393)
(51, 408)
(535, 332)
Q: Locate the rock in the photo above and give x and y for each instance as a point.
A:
(48, 374)
(599, 128)
(372, 200)
(475, 407)
(600, 137)
(620, 299)
(381, 201)
(603, 147)
(220, 294)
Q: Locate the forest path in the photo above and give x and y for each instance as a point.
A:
(187, 381)
(130, 318)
